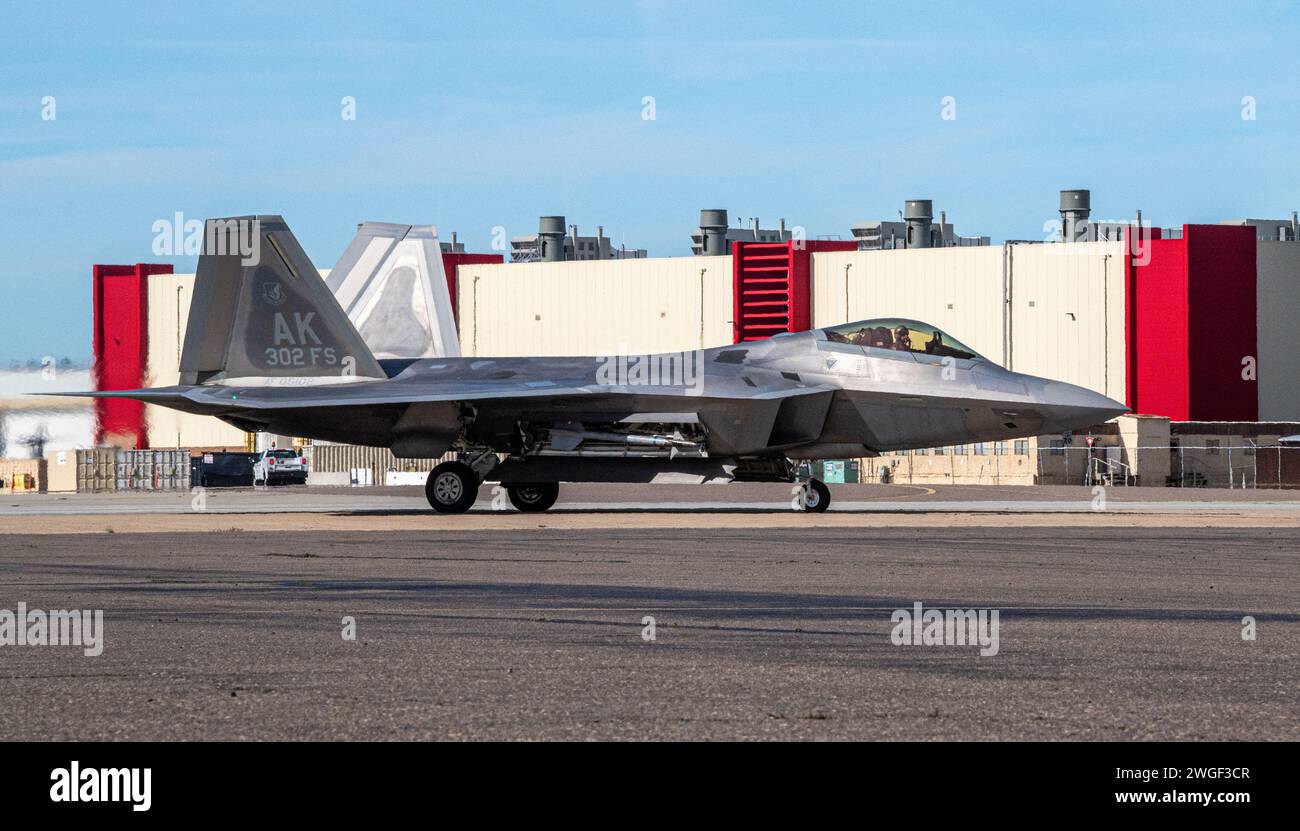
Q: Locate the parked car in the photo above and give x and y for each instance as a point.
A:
(280, 466)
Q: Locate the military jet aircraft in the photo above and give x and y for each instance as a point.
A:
(268, 347)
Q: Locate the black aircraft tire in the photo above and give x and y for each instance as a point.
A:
(451, 488)
(817, 498)
(534, 497)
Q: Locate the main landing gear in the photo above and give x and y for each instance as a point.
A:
(533, 498)
(452, 488)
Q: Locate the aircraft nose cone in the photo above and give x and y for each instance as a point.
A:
(1074, 408)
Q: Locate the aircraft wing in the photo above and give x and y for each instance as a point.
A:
(741, 417)
(368, 394)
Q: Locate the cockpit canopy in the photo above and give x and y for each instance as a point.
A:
(901, 335)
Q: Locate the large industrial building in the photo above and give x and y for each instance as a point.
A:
(1192, 326)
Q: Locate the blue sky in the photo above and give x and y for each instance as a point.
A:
(476, 115)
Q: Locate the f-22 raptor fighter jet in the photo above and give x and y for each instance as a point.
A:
(268, 347)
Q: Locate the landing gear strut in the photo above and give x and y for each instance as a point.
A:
(533, 498)
(451, 488)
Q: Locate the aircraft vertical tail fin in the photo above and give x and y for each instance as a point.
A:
(392, 284)
(261, 314)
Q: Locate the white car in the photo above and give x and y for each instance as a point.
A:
(280, 466)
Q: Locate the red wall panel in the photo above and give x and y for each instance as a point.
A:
(771, 286)
(1191, 321)
(1222, 325)
(1160, 337)
(120, 340)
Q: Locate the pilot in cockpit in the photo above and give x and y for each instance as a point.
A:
(903, 339)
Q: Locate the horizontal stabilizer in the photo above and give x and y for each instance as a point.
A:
(173, 397)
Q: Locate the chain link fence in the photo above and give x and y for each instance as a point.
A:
(1212, 465)
(1209, 463)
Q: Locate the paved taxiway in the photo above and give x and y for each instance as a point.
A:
(658, 506)
(518, 627)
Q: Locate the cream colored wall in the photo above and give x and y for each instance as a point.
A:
(169, 308)
(951, 469)
(1074, 329)
(601, 306)
(1278, 335)
(957, 289)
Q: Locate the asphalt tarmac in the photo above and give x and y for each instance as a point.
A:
(502, 631)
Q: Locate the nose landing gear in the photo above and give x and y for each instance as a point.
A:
(815, 496)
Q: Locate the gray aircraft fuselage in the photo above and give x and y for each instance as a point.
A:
(797, 395)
